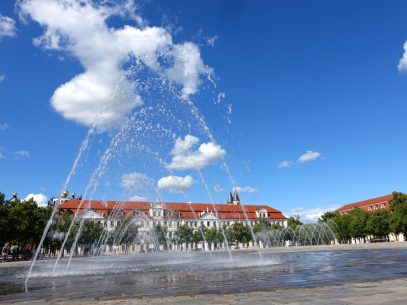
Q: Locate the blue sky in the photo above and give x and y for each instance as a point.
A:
(323, 77)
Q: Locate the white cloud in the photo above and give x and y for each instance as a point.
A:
(138, 198)
(245, 189)
(40, 199)
(22, 154)
(175, 184)
(2, 156)
(183, 146)
(218, 189)
(7, 26)
(4, 126)
(285, 164)
(311, 215)
(103, 94)
(308, 156)
(402, 66)
(2, 77)
(210, 41)
(134, 180)
(183, 157)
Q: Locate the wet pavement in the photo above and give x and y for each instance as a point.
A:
(196, 273)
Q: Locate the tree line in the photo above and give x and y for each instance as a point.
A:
(359, 224)
(22, 223)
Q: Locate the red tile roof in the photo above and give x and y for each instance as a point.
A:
(186, 210)
(369, 202)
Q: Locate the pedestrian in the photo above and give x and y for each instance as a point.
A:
(14, 252)
(5, 251)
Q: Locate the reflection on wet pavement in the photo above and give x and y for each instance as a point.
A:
(197, 272)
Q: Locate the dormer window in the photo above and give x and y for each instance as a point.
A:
(262, 213)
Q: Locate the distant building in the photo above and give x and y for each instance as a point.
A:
(171, 215)
(372, 205)
(369, 205)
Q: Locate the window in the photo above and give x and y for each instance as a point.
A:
(154, 213)
(375, 206)
(383, 205)
(208, 223)
(369, 208)
(112, 223)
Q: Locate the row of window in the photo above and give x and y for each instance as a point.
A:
(375, 206)
(176, 224)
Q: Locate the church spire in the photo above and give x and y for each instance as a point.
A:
(230, 198)
(236, 198)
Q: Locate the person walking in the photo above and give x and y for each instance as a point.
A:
(14, 252)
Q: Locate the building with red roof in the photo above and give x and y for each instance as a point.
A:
(171, 214)
(369, 205)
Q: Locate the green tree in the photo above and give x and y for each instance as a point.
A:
(327, 216)
(90, 233)
(398, 218)
(160, 234)
(262, 225)
(342, 226)
(27, 221)
(294, 221)
(130, 234)
(358, 222)
(213, 235)
(197, 237)
(183, 234)
(5, 225)
(58, 231)
(378, 224)
(399, 199)
(241, 233)
(2, 199)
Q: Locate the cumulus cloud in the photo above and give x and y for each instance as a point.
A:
(22, 154)
(40, 199)
(4, 126)
(138, 198)
(134, 180)
(285, 164)
(2, 77)
(175, 184)
(402, 66)
(308, 156)
(183, 157)
(218, 189)
(211, 40)
(245, 189)
(7, 26)
(103, 94)
(311, 215)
